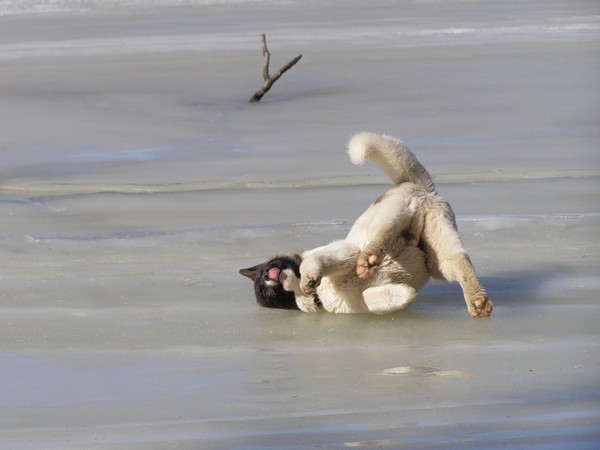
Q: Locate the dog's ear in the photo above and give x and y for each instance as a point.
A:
(251, 272)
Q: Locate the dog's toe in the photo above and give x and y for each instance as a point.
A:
(367, 265)
(310, 283)
(481, 307)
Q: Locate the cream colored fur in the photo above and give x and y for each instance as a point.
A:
(408, 234)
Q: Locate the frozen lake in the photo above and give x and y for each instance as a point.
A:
(135, 180)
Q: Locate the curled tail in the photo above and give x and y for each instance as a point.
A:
(398, 162)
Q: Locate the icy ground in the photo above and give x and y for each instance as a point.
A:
(135, 181)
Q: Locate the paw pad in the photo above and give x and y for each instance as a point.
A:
(367, 265)
(310, 284)
(481, 307)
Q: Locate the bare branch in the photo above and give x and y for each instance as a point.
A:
(270, 80)
(285, 68)
(267, 57)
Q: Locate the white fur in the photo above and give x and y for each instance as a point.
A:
(398, 162)
(410, 230)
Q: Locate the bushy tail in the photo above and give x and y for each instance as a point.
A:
(392, 156)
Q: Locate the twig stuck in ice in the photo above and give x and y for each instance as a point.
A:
(270, 80)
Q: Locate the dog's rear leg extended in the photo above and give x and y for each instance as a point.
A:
(447, 259)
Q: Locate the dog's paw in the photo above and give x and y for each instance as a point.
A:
(480, 307)
(310, 283)
(367, 265)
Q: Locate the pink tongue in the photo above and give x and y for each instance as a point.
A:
(273, 273)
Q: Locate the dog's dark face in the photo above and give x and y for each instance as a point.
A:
(269, 280)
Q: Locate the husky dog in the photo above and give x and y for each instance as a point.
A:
(408, 234)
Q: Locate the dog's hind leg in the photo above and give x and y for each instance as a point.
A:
(388, 223)
(388, 298)
(371, 255)
(447, 259)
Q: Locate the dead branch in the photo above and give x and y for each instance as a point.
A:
(270, 79)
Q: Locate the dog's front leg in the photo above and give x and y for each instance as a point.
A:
(335, 258)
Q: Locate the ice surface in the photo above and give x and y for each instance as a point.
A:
(135, 180)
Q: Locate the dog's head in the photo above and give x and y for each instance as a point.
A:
(274, 279)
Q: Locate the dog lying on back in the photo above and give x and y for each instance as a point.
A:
(408, 234)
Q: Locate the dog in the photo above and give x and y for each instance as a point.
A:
(407, 235)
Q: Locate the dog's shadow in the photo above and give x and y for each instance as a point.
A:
(512, 289)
